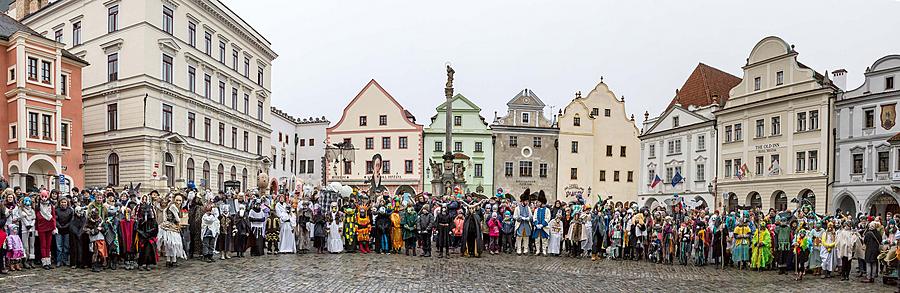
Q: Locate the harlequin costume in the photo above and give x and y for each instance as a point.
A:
(349, 231)
(363, 229)
(273, 230)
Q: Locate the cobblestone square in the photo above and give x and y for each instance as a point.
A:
(397, 273)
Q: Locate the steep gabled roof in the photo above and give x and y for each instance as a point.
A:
(704, 83)
(519, 100)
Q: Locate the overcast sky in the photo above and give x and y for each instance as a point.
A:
(328, 50)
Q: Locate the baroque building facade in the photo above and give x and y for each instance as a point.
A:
(867, 165)
(525, 147)
(681, 141)
(773, 133)
(177, 93)
(471, 146)
(386, 145)
(298, 150)
(598, 156)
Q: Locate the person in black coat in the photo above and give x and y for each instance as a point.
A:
(147, 229)
(472, 244)
(64, 215)
(444, 226)
(78, 240)
(872, 241)
(382, 231)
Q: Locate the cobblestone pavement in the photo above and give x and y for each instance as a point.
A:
(396, 273)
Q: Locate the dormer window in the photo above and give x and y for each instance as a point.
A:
(675, 121)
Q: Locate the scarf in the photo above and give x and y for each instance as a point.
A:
(46, 210)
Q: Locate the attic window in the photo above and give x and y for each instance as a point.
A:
(675, 121)
(595, 112)
(606, 112)
(757, 83)
(889, 83)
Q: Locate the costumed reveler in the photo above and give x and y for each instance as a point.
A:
(541, 232)
(170, 239)
(147, 230)
(523, 220)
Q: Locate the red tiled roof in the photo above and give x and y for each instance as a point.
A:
(895, 138)
(704, 83)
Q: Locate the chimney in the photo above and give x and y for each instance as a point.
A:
(22, 8)
(839, 78)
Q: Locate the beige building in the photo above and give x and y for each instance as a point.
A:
(386, 143)
(598, 148)
(178, 91)
(774, 143)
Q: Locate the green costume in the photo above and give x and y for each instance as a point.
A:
(409, 225)
(762, 248)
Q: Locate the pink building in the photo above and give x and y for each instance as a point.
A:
(42, 110)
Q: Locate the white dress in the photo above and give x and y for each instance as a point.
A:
(287, 242)
(555, 237)
(335, 241)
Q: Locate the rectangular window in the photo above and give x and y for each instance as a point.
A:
(728, 133)
(508, 169)
(776, 125)
(574, 147)
(536, 141)
(167, 68)
(76, 33)
(192, 79)
(542, 170)
(701, 142)
(310, 166)
(602, 175)
(32, 69)
(457, 120)
(348, 167)
(738, 134)
(222, 136)
(622, 151)
(207, 125)
(728, 168)
(207, 86)
(192, 121)
(234, 59)
(609, 151)
(207, 43)
(675, 121)
(889, 83)
(513, 141)
(776, 160)
(246, 66)
(652, 150)
(760, 165)
(438, 146)
(884, 161)
(64, 85)
(222, 92)
(168, 19)
(58, 36)
(701, 172)
(234, 139)
(33, 125)
(385, 143)
(260, 75)
(259, 145)
(112, 117)
(479, 169)
(779, 78)
(234, 99)
(478, 147)
(192, 34)
(870, 118)
(246, 141)
(47, 126)
(630, 176)
(576, 121)
(222, 52)
(760, 128)
(363, 121)
(524, 168)
(382, 120)
(402, 143)
(677, 146)
(737, 166)
(408, 167)
(112, 18)
(246, 103)
(457, 146)
(573, 173)
(813, 119)
(301, 166)
(385, 167)
(857, 163)
(813, 160)
(370, 143)
(526, 118)
(757, 83)
(801, 121)
(616, 176)
(607, 112)
(167, 118)
(651, 175)
(45, 71)
(801, 162)
(64, 134)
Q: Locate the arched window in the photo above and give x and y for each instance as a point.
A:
(233, 173)
(220, 176)
(205, 174)
(244, 179)
(112, 169)
(190, 169)
(170, 170)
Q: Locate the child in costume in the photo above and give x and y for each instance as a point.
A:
(14, 250)
(209, 230)
(335, 239)
(494, 227)
(508, 227)
(363, 229)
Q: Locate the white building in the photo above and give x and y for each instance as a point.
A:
(867, 165)
(298, 150)
(682, 140)
(177, 90)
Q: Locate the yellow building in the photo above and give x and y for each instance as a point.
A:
(598, 148)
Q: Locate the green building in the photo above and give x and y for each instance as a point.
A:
(471, 147)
